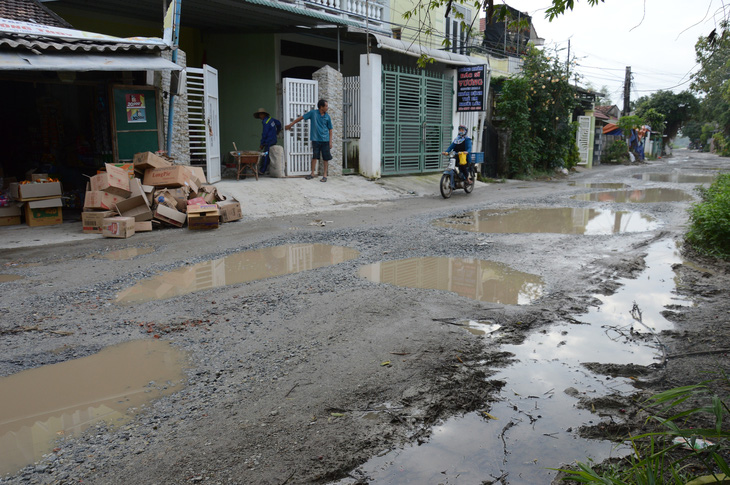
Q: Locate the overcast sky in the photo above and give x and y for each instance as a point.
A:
(655, 37)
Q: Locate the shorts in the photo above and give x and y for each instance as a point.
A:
(323, 148)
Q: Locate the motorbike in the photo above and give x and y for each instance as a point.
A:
(452, 172)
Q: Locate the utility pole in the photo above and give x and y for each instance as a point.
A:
(627, 92)
(567, 62)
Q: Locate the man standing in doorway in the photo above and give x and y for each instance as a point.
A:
(269, 135)
(320, 136)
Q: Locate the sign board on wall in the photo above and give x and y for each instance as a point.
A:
(470, 88)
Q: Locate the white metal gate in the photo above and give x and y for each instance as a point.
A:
(205, 147)
(583, 138)
(300, 96)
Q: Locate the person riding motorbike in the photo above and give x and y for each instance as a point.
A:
(462, 143)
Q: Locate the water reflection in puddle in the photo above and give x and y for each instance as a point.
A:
(39, 405)
(128, 253)
(676, 177)
(237, 268)
(599, 185)
(538, 414)
(473, 278)
(7, 278)
(561, 220)
(643, 195)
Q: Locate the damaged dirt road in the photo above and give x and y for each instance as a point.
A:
(305, 376)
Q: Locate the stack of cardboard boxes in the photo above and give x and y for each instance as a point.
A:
(120, 202)
(40, 200)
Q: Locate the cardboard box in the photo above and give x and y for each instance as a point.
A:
(230, 210)
(46, 212)
(197, 201)
(175, 198)
(120, 227)
(10, 215)
(199, 174)
(114, 181)
(170, 216)
(101, 200)
(127, 167)
(210, 194)
(38, 177)
(144, 160)
(93, 221)
(175, 176)
(142, 226)
(136, 208)
(32, 191)
(203, 216)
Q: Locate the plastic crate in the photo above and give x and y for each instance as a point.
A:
(477, 157)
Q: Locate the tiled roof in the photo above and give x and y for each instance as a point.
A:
(39, 44)
(30, 11)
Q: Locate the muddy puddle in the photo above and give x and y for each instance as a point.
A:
(637, 196)
(473, 278)
(561, 220)
(237, 268)
(534, 425)
(127, 253)
(678, 178)
(7, 278)
(599, 185)
(40, 405)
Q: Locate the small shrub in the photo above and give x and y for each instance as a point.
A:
(617, 151)
(709, 231)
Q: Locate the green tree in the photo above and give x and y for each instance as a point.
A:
(677, 109)
(713, 78)
(536, 106)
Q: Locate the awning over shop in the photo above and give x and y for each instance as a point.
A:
(417, 50)
(86, 61)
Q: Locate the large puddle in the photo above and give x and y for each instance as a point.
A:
(237, 268)
(677, 177)
(39, 405)
(637, 195)
(598, 185)
(537, 416)
(561, 220)
(473, 278)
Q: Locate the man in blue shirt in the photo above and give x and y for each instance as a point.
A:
(269, 135)
(320, 136)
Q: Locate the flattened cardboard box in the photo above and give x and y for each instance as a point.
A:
(203, 216)
(10, 215)
(46, 212)
(93, 221)
(135, 207)
(101, 200)
(230, 210)
(120, 227)
(144, 160)
(114, 181)
(170, 216)
(166, 177)
(35, 190)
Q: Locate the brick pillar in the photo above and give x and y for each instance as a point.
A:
(330, 89)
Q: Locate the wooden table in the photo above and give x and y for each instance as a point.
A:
(246, 160)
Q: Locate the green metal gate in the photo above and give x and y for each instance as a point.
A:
(416, 120)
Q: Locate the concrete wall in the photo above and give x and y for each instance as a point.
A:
(371, 102)
(247, 70)
(180, 148)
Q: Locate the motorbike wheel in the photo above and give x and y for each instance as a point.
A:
(468, 188)
(445, 186)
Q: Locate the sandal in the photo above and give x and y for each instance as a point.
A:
(308, 177)
(323, 179)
